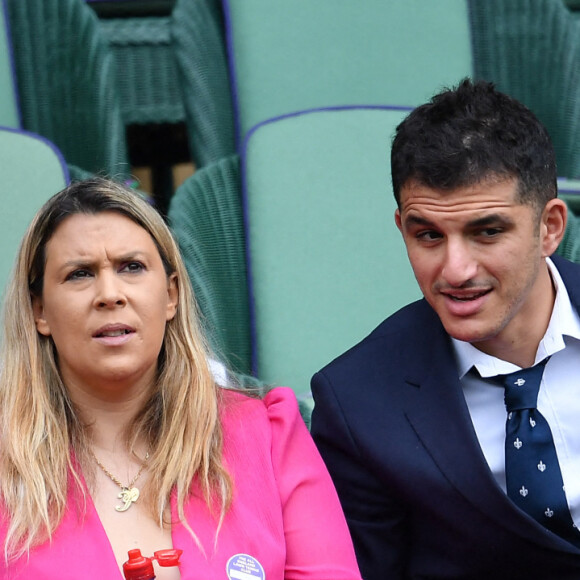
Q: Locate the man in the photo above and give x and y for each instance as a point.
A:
(412, 422)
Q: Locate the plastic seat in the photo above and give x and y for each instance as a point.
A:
(326, 260)
(9, 116)
(198, 39)
(32, 170)
(205, 215)
(569, 191)
(146, 77)
(531, 50)
(66, 83)
(303, 54)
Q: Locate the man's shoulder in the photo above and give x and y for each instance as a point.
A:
(570, 271)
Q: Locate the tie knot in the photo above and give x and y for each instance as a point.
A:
(521, 387)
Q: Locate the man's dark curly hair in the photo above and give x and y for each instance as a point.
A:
(470, 134)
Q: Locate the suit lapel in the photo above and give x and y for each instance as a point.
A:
(438, 413)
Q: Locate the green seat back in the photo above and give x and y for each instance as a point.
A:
(146, 78)
(531, 51)
(32, 170)
(327, 261)
(8, 103)
(66, 83)
(569, 191)
(199, 44)
(303, 54)
(205, 215)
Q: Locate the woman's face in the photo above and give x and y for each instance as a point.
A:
(106, 300)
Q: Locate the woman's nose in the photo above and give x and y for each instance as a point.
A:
(109, 291)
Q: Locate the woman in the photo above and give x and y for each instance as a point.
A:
(114, 434)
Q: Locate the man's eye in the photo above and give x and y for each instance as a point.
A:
(490, 232)
(428, 236)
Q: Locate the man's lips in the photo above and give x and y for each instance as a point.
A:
(465, 295)
(465, 302)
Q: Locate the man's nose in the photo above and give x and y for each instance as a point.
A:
(460, 265)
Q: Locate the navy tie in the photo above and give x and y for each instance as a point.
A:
(533, 477)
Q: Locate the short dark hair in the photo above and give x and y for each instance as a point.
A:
(472, 133)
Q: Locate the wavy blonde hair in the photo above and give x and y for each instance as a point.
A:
(43, 438)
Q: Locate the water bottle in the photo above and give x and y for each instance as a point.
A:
(138, 567)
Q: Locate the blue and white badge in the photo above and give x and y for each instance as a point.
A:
(244, 567)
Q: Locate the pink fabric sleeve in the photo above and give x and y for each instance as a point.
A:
(318, 543)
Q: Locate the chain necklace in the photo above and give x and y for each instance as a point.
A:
(129, 494)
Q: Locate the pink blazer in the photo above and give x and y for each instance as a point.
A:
(285, 522)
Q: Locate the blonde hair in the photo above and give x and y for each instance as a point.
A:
(43, 439)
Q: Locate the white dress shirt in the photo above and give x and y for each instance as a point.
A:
(558, 398)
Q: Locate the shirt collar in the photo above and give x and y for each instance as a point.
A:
(564, 322)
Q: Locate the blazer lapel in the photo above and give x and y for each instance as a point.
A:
(438, 413)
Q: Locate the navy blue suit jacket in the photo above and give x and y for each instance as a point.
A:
(392, 425)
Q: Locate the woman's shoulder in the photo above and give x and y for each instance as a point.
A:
(268, 434)
(271, 418)
(277, 403)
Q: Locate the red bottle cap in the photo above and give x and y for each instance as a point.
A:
(138, 567)
(167, 558)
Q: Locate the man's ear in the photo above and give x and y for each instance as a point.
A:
(172, 296)
(38, 311)
(553, 225)
(398, 220)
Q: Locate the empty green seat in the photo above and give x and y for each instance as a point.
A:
(66, 83)
(200, 50)
(531, 50)
(303, 54)
(327, 263)
(32, 170)
(8, 103)
(205, 215)
(146, 79)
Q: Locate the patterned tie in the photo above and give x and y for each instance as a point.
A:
(533, 477)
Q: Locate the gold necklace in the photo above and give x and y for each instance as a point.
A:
(129, 494)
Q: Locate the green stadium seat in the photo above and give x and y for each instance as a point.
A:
(531, 51)
(66, 83)
(326, 260)
(9, 116)
(200, 51)
(205, 215)
(303, 54)
(32, 170)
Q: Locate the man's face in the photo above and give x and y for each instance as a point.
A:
(477, 254)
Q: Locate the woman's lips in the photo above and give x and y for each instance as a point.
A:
(114, 334)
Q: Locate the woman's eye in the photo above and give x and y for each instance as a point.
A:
(132, 267)
(78, 274)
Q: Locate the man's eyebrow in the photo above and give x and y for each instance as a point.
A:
(494, 219)
(415, 220)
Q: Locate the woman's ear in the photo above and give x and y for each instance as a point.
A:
(38, 311)
(172, 296)
(553, 225)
